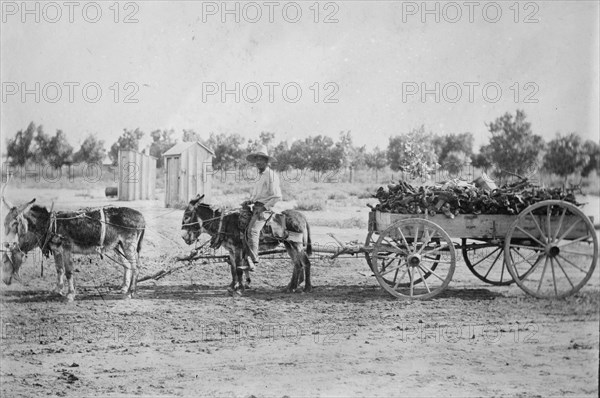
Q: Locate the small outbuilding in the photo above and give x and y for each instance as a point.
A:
(137, 176)
(188, 172)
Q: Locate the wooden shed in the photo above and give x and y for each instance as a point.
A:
(137, 176)
(188, 171)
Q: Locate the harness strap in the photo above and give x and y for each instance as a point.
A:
(221, 222)
(102, 227)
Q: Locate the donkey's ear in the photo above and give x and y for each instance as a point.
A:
(196, 200)
(25, 207)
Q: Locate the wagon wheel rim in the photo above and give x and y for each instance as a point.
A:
(418, 245)
(558, 242)
(370, 242)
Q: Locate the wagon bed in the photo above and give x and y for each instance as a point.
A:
(550, 250)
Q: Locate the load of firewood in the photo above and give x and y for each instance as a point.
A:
(459, 197)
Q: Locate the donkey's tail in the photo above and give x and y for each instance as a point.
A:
(140, 239)
(308, 241)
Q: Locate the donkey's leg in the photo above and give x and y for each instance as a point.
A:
(127, 267)
(306, 265)
(233, 269)
(60, 269)
(132, 257)
(248, 280)
(67, 261)
(292, 249)
(239, 273)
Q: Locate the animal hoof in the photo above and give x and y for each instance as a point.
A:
(71, 297)
(307, 289)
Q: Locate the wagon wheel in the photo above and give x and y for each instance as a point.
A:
(417, 245)
(486, 262)
(560, 249)
(371, 240)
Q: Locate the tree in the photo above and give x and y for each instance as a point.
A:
(592, 149)
(40, 146)
(283, 155)
(513, 147)
(128, 141)
(413, 153)
(322, 154)
(91, 151)
(460, 145)
(376, 159)
(60, 152)
(162, 141)
(189, 135)
(352, 157)
(228, 150)
(266, 138)
(565, 155)
(18, 149)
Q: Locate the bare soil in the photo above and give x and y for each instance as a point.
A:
(185, 336)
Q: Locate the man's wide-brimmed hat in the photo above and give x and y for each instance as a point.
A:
(261, 152)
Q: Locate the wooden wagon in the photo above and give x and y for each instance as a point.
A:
(550, 250)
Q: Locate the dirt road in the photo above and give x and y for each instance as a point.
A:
(184, 336)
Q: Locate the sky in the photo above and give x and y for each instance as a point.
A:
(376, 68)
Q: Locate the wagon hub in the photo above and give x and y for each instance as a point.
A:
(414, 260)
(552, 251)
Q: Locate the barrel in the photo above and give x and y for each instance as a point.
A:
(111, 191)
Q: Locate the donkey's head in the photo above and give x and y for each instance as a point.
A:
(16, 236)
(192, 221)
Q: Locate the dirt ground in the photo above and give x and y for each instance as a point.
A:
(185, 336)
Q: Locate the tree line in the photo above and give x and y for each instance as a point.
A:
(513, 149)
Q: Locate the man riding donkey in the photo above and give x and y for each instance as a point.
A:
(265, 194)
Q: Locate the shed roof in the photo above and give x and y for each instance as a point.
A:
(180, 147)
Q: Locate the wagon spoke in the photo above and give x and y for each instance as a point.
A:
(564, 272)
(560, 222)
(384, 265)
(543, 273)
(429, 271)
(401, 278)
(553, 276)
(424, 280)
(387, 271)
(531, 236)
(526, 247)
(437, 250)
(537, 226)
(548, 225)
(569, 230)
(580, 239)
(412, 286)
(577, 253)
(525, 259)
(435, 260)
(533, 268)
(487, 256)
(494, 263)
(416, 237)
(570, 262)
(403, 238)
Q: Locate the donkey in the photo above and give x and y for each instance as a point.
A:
(65, 233)
(224, 229)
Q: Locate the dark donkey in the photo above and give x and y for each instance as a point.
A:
(199, 217)
(65, 233)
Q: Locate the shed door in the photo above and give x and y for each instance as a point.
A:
(172, 190)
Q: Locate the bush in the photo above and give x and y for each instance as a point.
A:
(311, 203)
